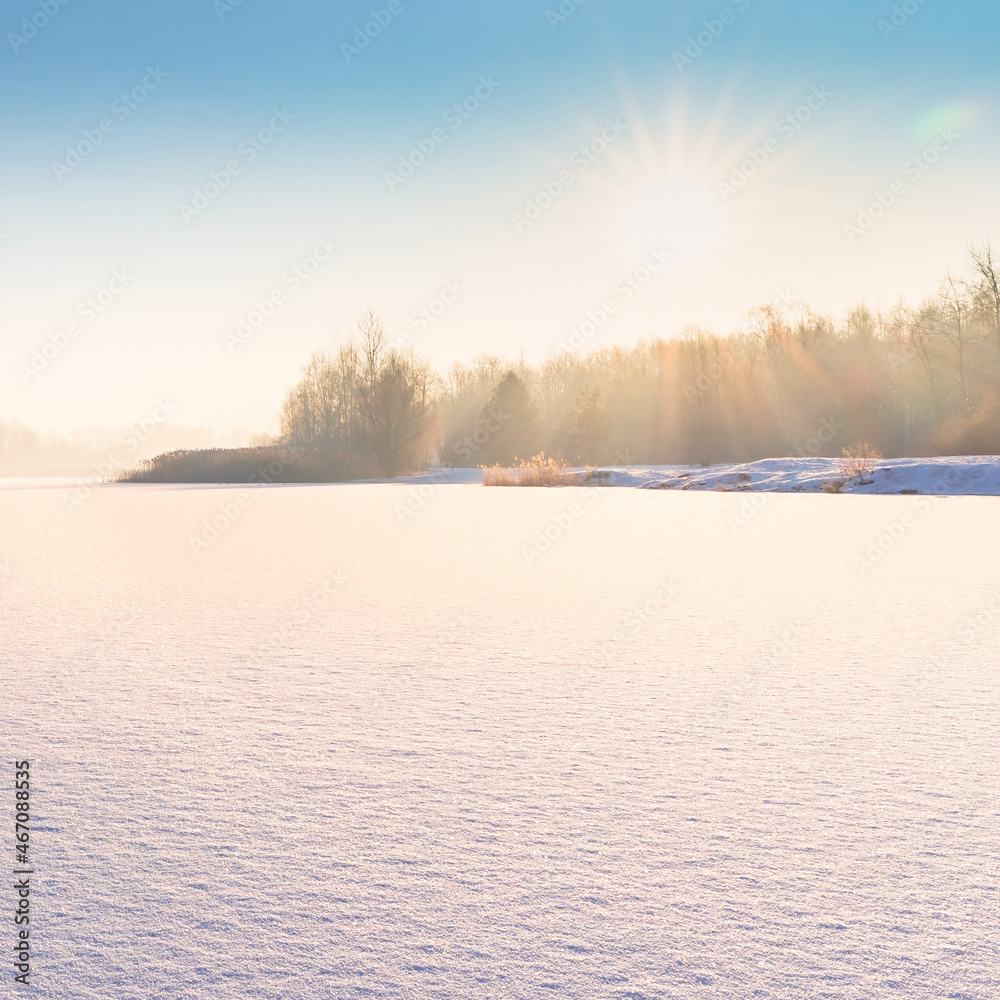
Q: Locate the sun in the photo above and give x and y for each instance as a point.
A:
(671, 212)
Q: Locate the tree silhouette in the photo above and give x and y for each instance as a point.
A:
(587, 428)
(508, 425)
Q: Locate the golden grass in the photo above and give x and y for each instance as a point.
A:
(541, 470)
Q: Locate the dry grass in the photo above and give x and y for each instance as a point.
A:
(268, 464)
(538, 471)
(860, 459)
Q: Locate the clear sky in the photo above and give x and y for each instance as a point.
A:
(171, 172)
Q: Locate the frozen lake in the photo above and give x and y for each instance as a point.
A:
(367, 741)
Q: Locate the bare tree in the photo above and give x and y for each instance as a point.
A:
(987, 270)
(913, 380)
(367, 400)
(953, 325)
(321, 410)
(396, 399)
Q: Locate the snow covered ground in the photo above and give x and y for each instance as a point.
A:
(960, 476)
(472, 744)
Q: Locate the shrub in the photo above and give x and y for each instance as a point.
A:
(859, 459)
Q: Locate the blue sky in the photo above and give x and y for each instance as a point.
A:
(220, 76)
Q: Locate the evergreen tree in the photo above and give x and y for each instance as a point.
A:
(508, 426)
(587, 428)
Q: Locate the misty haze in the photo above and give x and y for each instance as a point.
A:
(500, 500)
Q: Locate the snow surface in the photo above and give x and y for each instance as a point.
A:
(959, 476)
(419, 742)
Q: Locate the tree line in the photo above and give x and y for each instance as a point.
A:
(913, 381)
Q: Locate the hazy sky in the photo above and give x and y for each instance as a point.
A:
(169, 168)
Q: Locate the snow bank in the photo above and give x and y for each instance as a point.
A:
(960, 476)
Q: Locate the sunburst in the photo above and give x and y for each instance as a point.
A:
(661, 192)
(671, 212)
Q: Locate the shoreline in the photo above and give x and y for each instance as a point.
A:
(947, 476)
